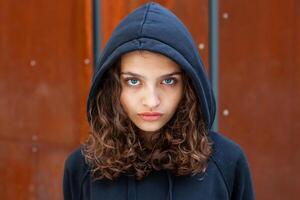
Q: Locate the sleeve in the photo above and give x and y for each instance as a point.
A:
(243, 187)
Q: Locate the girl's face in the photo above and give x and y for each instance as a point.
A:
(152, 88)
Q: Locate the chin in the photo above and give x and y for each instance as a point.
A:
(149, 128)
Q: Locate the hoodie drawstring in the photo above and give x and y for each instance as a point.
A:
(131, 190)
(170, 185)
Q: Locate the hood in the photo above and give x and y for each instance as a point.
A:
(154, 28)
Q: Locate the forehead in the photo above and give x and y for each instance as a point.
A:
(146, 62)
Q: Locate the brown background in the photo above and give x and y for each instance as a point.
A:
(45, 73)
(44, 79)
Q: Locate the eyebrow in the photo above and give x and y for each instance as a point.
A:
(138, 75)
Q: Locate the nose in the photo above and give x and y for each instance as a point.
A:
(151, 98)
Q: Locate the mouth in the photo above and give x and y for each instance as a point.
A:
(150, 116)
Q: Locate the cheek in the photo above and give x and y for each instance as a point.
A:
(177, 94)
(173, 98)
(123, 100)
(127, 101)
(177, 98)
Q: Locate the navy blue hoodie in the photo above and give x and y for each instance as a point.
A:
(154, 28)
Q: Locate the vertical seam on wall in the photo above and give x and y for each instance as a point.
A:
(213, 55)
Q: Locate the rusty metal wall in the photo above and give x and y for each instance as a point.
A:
(259, 90)
(45, 71)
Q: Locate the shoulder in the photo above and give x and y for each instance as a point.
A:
(75, 164)
(230, 159)
(225, 149)
(74, 158)
(75, 174)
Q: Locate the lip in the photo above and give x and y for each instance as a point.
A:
(150, 116)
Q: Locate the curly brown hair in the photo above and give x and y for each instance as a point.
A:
(114, 146)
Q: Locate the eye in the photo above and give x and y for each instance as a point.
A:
(133, 82)
(169, 81)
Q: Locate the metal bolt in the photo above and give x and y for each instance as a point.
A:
(33, 63)
(34, 149)
(86, 61)
(225, 112)
(225, 15)
(31, 188)
(201, 46)
(34, 137)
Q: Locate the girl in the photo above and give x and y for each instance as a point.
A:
(150, 109)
